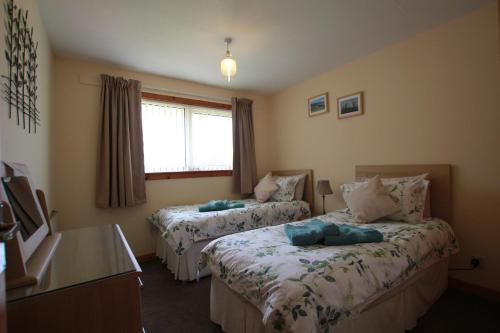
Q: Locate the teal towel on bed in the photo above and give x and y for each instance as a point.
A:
(307, 234)
(317, 231)
(331, 229)
(353, 235)
(216, 205)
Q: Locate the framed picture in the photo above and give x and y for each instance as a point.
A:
(318, 105)
(350, 105)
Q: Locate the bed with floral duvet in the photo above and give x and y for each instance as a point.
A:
(313, 288)
(182, 226)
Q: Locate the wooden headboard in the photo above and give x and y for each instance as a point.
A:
(308, 186)
(439, 176)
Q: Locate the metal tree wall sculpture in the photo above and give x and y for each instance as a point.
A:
(19, 86)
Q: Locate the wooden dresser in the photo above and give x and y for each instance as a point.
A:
(91, 285)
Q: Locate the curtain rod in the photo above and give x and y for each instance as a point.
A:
(95, 82)
(183, 94)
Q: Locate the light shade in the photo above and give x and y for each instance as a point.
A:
(228, 66)
(323, 187)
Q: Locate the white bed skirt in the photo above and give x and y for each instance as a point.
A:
(395, 311)
(184, 268)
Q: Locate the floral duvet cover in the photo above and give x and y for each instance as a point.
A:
(182, 226)
(312, 288)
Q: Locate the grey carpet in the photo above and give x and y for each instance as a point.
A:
(170, 306)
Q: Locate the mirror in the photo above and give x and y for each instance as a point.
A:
(23, 203)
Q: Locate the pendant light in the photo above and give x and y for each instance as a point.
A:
(228, 64)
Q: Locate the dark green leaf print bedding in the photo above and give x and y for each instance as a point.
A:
(312, 288)
(182, 226)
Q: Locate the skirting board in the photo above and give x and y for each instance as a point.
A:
(487, 293)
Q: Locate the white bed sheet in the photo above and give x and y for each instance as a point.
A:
(185, 267)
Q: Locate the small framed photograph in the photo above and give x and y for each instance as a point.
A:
(350, 105)
(318, 105)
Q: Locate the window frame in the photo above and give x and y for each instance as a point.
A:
(191, 102)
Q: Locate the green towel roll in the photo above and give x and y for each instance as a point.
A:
(308, 234)
(331, 229)
(217, 205)
(353, 235)
(311, 232)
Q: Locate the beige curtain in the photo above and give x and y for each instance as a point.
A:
(120, 165)
(244, 165)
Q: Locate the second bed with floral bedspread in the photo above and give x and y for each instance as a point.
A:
(311, 289)
(182, 226)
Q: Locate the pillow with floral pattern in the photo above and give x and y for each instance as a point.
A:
(286, 190)
(345, 188)
(409, 193)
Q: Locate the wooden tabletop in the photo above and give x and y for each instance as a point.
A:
(83, 255)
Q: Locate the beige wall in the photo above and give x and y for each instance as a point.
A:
(75, 151)
(16, 144)
(434, 98)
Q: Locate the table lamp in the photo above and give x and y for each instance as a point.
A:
(323, 188)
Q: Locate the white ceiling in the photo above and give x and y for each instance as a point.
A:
(276, 43)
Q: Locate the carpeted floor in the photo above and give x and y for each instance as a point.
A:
(170, 306)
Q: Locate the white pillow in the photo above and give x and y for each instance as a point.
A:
(287, 185)
(369, 201)
(409, 193)
(265, 188)
(299, 188)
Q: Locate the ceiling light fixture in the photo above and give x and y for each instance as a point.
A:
(228, 64)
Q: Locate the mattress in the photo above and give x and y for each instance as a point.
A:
(314, 288)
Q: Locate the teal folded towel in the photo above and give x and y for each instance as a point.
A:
(308, 234)
(216, 205)
(353, 235)
(331, 229)
(316, 231)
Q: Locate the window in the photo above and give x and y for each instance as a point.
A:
(186, 138)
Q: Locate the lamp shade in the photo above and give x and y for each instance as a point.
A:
(323, 187)
(228, 66)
